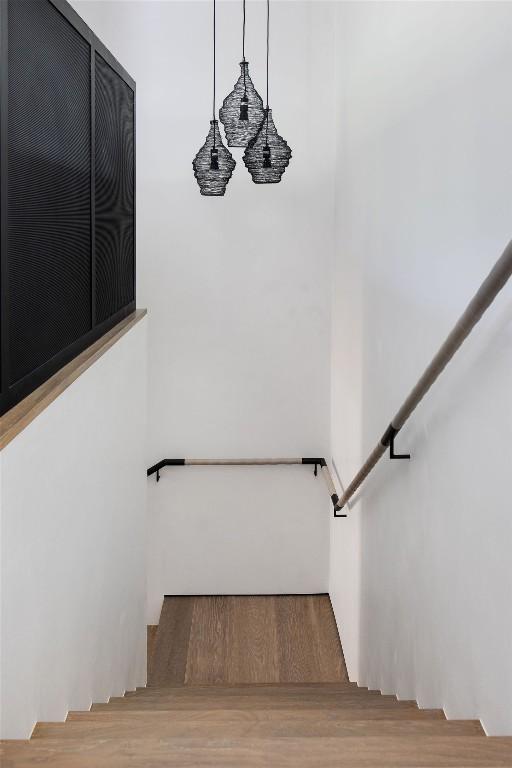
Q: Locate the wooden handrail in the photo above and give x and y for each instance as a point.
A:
(481, 301)
(316, 462)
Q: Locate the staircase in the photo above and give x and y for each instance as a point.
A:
(208, 706)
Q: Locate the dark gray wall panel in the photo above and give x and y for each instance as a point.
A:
(49, 200)
(114, 191)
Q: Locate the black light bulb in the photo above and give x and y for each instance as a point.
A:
(266, 156)
(214, 159)
(244, 107)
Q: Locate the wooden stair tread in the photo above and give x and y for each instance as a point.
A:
(388, 751)
(349, 713)
(262, 723)
(237, 702)
(219, 687)
(298, 695)
(252, 688)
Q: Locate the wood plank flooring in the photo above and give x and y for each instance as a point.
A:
(248, 639)
(254, 683)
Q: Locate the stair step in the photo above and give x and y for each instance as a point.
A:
(276, 700)
(249, 691)
(349, 713)
(254, 688)
(261, 723)
(194, 687)
(353, 752)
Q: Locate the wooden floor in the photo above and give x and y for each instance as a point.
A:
(249, 639)
(248, 683)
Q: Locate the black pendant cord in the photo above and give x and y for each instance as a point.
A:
(267, 155)
(213, 164)
(243, 47)
(214, 71)
(268, 45)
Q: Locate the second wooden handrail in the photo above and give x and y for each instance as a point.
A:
(319, 461)
(481, 301)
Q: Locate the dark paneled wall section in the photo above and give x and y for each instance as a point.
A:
(67, 192)
(114, 191)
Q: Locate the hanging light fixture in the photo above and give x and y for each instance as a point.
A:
(214, 164)
(267, 154)
(242, 111)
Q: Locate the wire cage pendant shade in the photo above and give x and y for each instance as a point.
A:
(214, 164)
(242, 110)
(268, 154)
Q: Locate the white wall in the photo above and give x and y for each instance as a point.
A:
(238, 287)
(424, 209)
(412, 117)
(73, 529)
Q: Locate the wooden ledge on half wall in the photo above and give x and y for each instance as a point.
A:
(20, 416)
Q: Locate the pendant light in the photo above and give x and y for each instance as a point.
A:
(242, 111)
(214, 164)
(267, 154)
